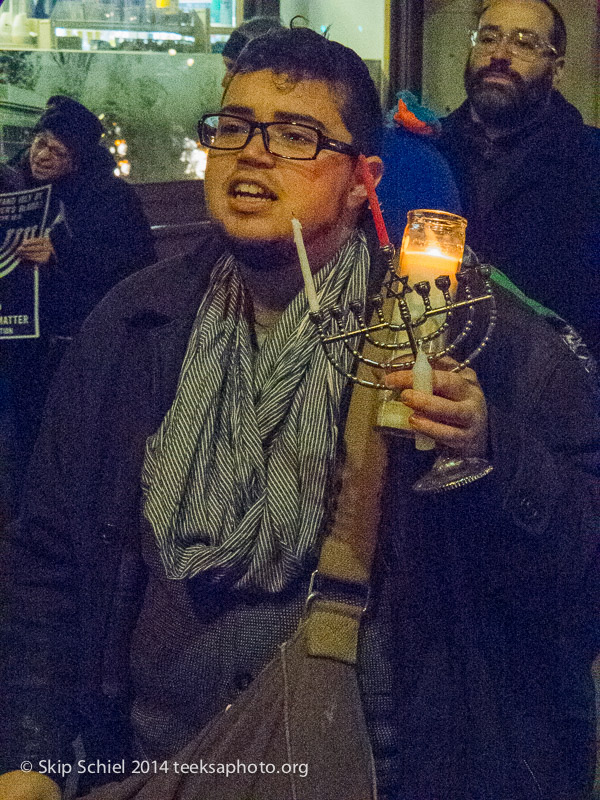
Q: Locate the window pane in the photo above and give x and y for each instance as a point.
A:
(150, 102)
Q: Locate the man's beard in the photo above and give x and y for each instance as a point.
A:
(506, 105)
(261, 256)
(277, 254)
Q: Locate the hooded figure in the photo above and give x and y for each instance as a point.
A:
(97, 234)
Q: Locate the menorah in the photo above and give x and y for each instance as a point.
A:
(400, 335)
(409, 329)
(348, 325)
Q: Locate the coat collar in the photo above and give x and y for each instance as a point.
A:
(554, 131)
(171, 290)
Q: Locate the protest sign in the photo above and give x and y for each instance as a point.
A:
(22, 216)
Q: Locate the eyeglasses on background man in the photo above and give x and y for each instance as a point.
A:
(526, 45)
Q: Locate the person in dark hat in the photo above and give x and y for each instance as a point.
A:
(87, 199)
(97, 234)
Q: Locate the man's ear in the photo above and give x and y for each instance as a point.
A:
(358, 194)
(558, 69)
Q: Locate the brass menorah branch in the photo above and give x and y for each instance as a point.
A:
(348, 327)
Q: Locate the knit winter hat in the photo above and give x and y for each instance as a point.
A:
(72, 123)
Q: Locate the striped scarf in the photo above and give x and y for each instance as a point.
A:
(238, 476)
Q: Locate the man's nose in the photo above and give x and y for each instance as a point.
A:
(501, 62)
(502, 50)
(255, 149)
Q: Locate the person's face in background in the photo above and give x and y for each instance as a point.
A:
(49, 158)
(501, 86)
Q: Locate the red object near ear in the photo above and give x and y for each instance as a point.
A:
(382, 234)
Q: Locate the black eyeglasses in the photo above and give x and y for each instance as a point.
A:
(284, 139)
(526, 45)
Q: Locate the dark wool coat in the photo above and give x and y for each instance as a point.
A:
(102, 236)
(475, 664)
(532, 201)
(11, 180)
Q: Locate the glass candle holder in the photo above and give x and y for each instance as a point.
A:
(433, 245)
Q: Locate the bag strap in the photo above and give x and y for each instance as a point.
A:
(344, 568)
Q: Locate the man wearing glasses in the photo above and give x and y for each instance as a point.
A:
(183, 480)
(526, 165)
(201, 495)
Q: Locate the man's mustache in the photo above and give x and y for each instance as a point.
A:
(498, 68)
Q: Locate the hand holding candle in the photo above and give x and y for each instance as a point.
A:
(309, 284)
(455, 415)
(432, 246)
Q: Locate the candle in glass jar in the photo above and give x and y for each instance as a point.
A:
(427, 265)
(432, 246)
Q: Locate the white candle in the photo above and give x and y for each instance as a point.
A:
(309, 284)
(422, 374)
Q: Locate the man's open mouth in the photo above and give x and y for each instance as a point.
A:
(250, 190)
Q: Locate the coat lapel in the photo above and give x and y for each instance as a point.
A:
(144, 383)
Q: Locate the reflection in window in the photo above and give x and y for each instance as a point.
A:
(148, 68)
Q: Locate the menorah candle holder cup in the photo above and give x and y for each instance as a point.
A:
(432, 248)
(419, 308)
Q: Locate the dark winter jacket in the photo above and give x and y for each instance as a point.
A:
(11, 180)
(490, 588)
(102, 237)
(532, 201)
